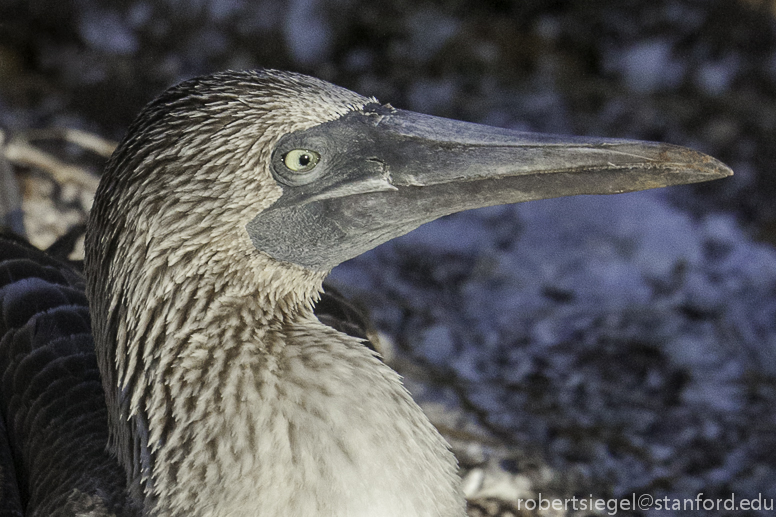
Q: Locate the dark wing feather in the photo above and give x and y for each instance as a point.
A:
(51, 394)
(10, 501)
(337, 312)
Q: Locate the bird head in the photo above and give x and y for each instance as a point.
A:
(307, 174)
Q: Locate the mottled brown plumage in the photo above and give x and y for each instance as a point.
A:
(206, 250)
(225, 393)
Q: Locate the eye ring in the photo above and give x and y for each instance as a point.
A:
(301, 160)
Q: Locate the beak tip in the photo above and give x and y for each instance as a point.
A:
(712, 169)
(722, 170)
(695, 167)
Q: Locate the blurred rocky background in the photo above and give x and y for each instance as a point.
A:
(590, 347)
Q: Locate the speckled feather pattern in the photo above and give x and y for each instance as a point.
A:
(226, 396)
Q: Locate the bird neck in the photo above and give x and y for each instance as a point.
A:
(238, 402)
(171, 323)
(226, 396)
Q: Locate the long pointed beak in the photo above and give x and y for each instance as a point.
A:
(383, 172)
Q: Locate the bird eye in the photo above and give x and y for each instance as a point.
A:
(301, 160)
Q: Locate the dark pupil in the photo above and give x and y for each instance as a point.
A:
(304, 160)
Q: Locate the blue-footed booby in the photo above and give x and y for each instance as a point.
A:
(197, 381)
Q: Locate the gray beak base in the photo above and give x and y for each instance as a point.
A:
(383, 172)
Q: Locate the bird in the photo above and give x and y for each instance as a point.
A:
(185, 372)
